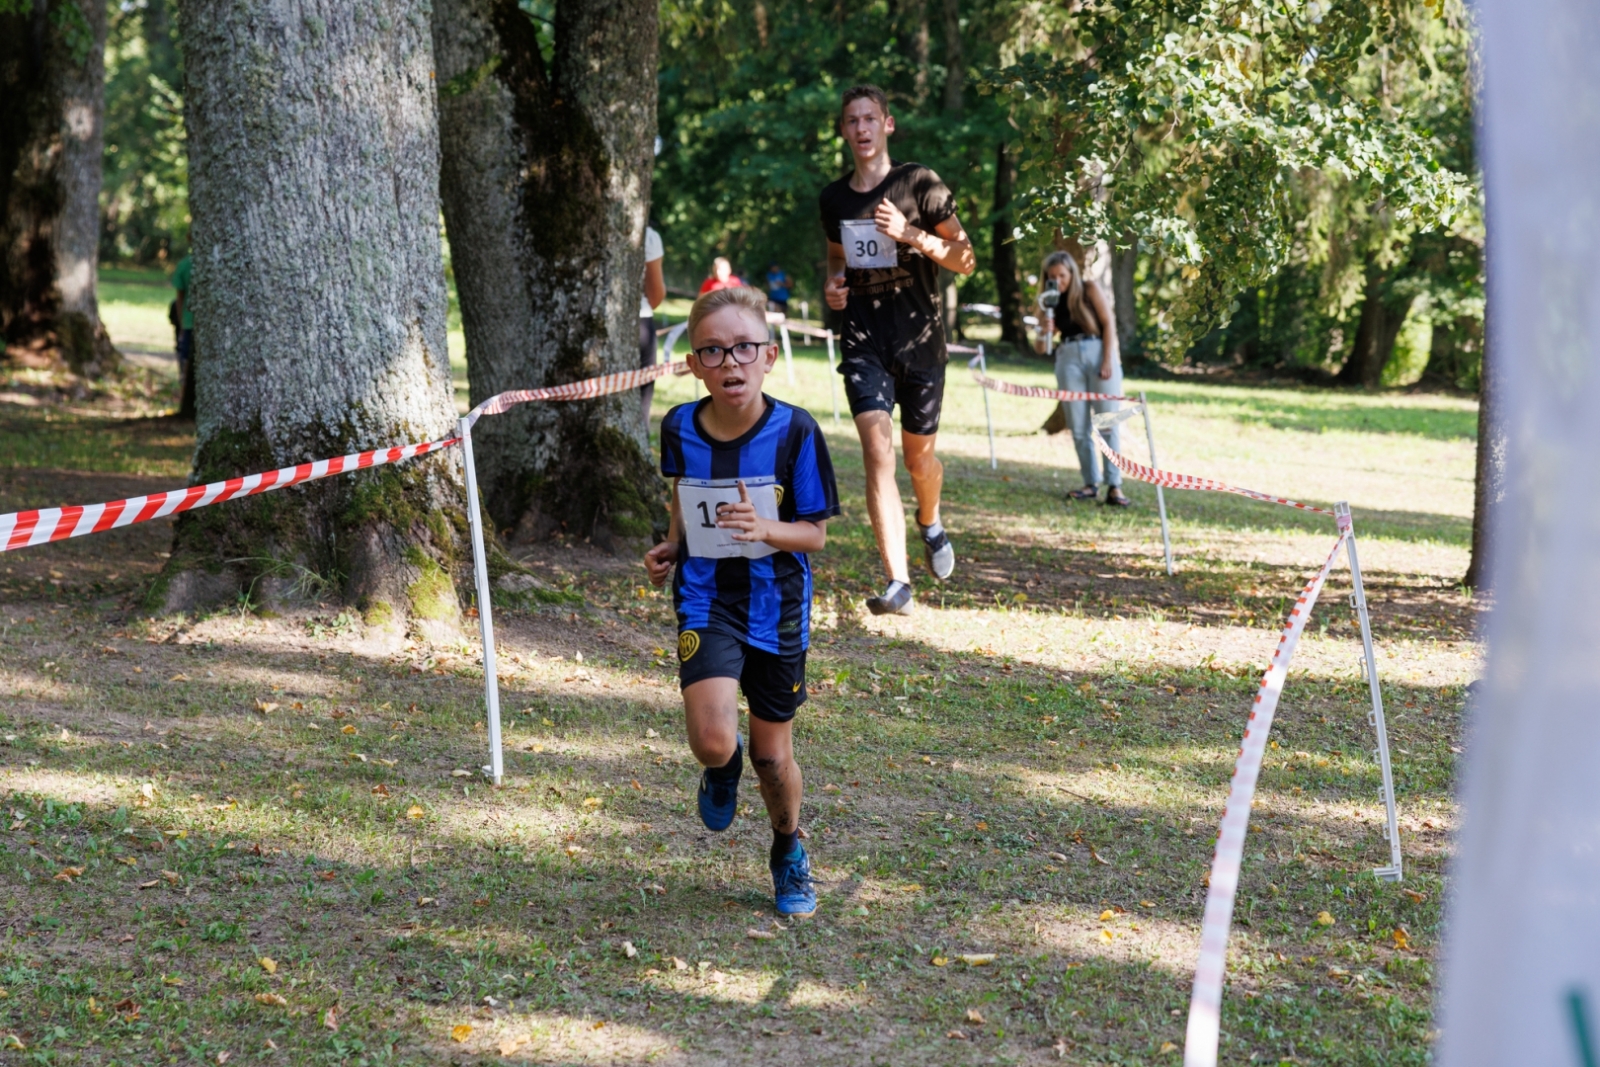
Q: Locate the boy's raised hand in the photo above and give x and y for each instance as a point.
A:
(742, 517)
(658, 562)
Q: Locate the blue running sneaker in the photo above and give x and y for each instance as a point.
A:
(720, 799)
(792, 885)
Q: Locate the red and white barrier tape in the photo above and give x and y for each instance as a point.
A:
(996, 385)
(1205, 1001)
(23, 529)
(1173, 480)
(588, 389)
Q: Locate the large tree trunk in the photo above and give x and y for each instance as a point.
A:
(954, 65)
(546, 182)
(319, 303)
(1489, 481)
(1382, 315)
(1008, 284)
(914, 25)
(1123, 264)
(52, 102)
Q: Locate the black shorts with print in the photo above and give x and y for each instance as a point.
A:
(876, 383)
(775, 685)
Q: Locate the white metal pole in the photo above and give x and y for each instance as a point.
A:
(983, 366)
(1161, 498)
(1395, 871)
(788, 356)
(480, 573)
(833, 381)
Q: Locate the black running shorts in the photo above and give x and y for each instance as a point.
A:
(878, 383)
(774, 685)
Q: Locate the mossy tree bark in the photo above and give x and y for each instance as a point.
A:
(546, 187)
(52, 104)
(319, 299)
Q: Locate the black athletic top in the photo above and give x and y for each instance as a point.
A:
(908, 292)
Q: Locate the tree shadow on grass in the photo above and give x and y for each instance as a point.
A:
(972, 830)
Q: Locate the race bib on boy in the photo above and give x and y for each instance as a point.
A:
(698, 500)
(864, 247)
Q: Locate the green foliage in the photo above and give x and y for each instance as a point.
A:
(145, 197)
(749, 98)
(1229, 136)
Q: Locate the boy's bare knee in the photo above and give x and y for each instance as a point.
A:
(771, 767)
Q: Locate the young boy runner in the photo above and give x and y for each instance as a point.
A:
(752, 489)
(890, 227)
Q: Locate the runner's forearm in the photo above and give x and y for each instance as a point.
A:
(797, 536)
(952, 255)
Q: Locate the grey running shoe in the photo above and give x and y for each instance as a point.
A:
(896, 600)
(940, 555)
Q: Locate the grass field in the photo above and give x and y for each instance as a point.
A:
(260, 838)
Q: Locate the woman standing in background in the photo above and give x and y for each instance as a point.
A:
(1079, 326)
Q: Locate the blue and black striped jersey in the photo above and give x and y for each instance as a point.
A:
(765, 602)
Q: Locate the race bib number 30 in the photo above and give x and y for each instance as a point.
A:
(699, 499)
(865, 247)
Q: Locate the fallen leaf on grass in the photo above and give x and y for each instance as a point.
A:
(380, 790)
(423, 902)
(460, 1033)
(760, 935)
(265, 707)
(415, 812)
(1107, 936)
(1324, 919)
(1147, 903)
(1059, 857)
(168, 979)
(330, 1018)
(1097, 857)
(150, 884)
(172, 876)
(939, 961)
(977, 959)
(347, 729)
(635, 783)
(67, 874)
(679, 965)
(459, 773)
(956, 1035)
(1416, 897)
(575, 850)
(224, 1056)
(272, 1000)
(1402, 939)
(15, 1042)
(974, 1016)
(1107, 915)
(268, 964)
(509, 1046)
(628, 950)
(1168, 1046)
(592, 802)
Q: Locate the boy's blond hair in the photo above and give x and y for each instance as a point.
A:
(752, 300)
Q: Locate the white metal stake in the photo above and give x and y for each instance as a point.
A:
(833, 381)
(788, 356)
(1358, 599)
(480, 572)
(983, 365)
(1161, 499)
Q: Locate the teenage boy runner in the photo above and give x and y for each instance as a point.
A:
(893, 346)
(752, 490)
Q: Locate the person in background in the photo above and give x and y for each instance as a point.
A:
(183, 316)
(655, 291)
(722, 277)
(1083, 334)
(778, 286)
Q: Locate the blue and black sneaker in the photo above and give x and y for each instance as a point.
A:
(796, 893)
(719, 791)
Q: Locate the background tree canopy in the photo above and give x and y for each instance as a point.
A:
(1298, 178)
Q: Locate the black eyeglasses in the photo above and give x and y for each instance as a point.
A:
(745, 352)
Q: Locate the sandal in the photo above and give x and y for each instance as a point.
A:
(1088, 492)
(1116, 498)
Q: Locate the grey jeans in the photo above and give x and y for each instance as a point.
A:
(1078, 370)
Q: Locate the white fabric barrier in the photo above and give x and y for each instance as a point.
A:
(1522, 952)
